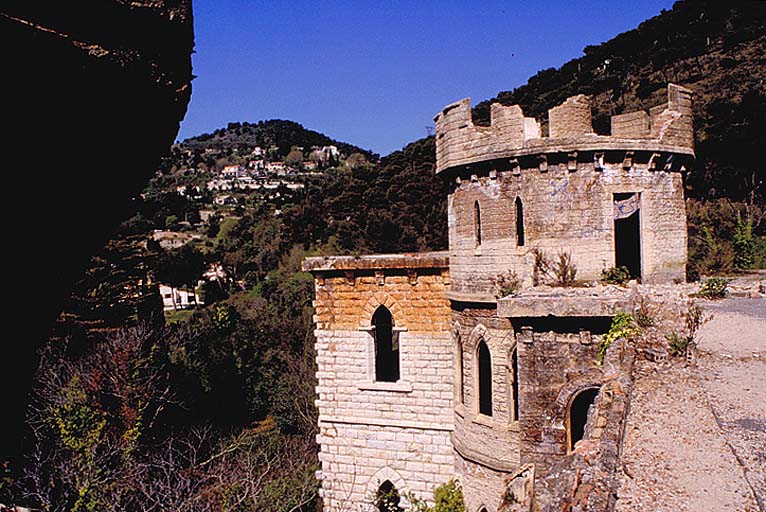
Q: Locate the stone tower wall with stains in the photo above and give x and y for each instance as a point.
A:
(565, 186)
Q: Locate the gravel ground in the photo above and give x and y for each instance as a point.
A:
(732, 371)
(696, 436)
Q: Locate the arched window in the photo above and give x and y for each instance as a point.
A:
(477, 223)
(459, 371)
(513, 377)
(519, 222)
(386, 346)
(485, 379)
(387, 498)
(577, 416)
(483, 509)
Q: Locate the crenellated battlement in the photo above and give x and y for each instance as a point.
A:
(459, 142)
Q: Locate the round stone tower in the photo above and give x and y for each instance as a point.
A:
(516, 193)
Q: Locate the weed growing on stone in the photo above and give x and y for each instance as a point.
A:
(507, 284)
(677, 344)
(714, 288)
(448, 497)
(643, 316)
(615, 275)
(561, 272)
(623, 326)
(387, 499)
(565, 269)
(694, 318)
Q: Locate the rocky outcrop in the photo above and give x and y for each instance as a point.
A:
(93, 92)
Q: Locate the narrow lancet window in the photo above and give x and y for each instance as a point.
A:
(477, 223)
(460, 391)
(514, 377)
(386, 346)
(485, 379)
(519, 222)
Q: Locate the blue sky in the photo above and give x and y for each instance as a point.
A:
(375, 73)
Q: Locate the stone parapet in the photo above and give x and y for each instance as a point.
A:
(665, 128)
(412, 286)
(567, 302)
(415, 260)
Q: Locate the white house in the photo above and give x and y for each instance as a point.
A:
(179, 298)
(231, 171)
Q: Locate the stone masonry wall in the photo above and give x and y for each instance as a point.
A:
(631, 125)
(584, 479)
(570, 119)
(553, 367)
(371, 431)
(483, 487)
(566, 183)
(565, 208)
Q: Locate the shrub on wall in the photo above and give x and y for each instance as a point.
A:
(623, 326)
(714, 288)
(507, 284)
(448, 497)
(561, 272)
(615, 275)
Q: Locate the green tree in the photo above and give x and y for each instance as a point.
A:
(181, 267)
(171, 222)
(744, 244)
(213, 225)
(294, 157)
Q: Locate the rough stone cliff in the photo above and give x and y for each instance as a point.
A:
(92, 95)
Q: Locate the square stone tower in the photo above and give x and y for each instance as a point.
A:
(385, 376)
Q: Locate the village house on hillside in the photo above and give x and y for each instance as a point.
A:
(179, 298)
(429, 370)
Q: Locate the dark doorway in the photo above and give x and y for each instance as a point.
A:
(627, 234)
(578, 414)
(485, 379)
(387, 498)
(386, 346)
